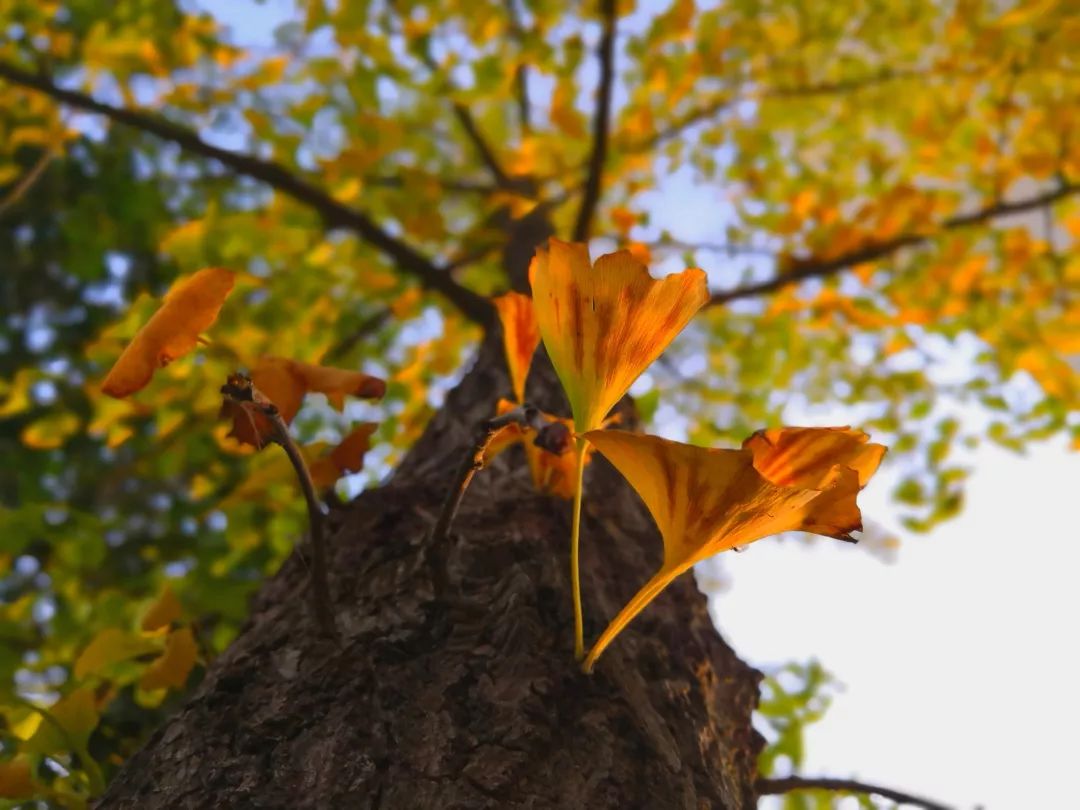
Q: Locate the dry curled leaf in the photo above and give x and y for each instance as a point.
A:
(285, 382)
(189, 307)
(347, 457)
(603, 324)
(163, 612)
(554, 473)
(707, 501)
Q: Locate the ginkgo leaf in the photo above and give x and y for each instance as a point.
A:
(71, 721)
(347, 457)
(171, 670)
(552, 473)
(521, 336)
(189, 307)
(165, 610)
(706, 501)
(109, 647)
(603, 324)
(804, 456)
(285, 382)
(16, 779)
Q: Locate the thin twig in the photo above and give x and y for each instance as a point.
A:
(334, 214)
(471, 128)
(789, 784)
(601, 125)
(27, 181)
(521, 76)
(242, 393)
(527, 417)
(812, 268)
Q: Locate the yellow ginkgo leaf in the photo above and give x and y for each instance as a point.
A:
(189, 307)
(171, 670)
(163, 612)
(71, 720)
(804, 457)
(521, 336)
(109, 647)
(707, 501)
(603, 324)
(347, 457)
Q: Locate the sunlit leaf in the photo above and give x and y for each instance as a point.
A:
(521, 336)
(16, 779)
(189, 307)
(286, 382)
(707, 501)
(163, 612)
(603, 324)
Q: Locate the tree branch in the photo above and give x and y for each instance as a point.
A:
(334, 214)
(789, 784)
(27, 182)
(601, 124)
(822, 268)
(468, 123)
(521, 80)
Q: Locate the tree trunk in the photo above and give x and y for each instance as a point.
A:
(454, 684)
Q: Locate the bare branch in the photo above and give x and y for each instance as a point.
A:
(334, 214)
(601, 124)
(789, 784)
(468, 123)
(27, 181)
(521, 76)
(823, 268)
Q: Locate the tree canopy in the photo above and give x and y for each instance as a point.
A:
(883, 197)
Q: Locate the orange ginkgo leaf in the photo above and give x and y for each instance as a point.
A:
(521, 336)
(172, 668)
(16, 779)
(603, 324)
(285, 382)
(189, 307)
(347, 457)
(552, 473)
(707, 501)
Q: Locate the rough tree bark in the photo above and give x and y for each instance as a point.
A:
(454, 685)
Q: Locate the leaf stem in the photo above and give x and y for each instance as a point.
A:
(320, 580)
(575, 568)
(473, 462)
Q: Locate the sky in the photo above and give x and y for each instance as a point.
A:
(959, 658)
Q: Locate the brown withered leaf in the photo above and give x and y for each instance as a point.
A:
(347, 457)
(286, 382)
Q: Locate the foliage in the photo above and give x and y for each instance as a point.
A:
(909, 266)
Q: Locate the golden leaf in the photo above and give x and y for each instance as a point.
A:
(706, 501)
(171, 670)
(521, 336)
(111, 646)
(603, 324)
(165, 610)
(189, 307)
(71, 721)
